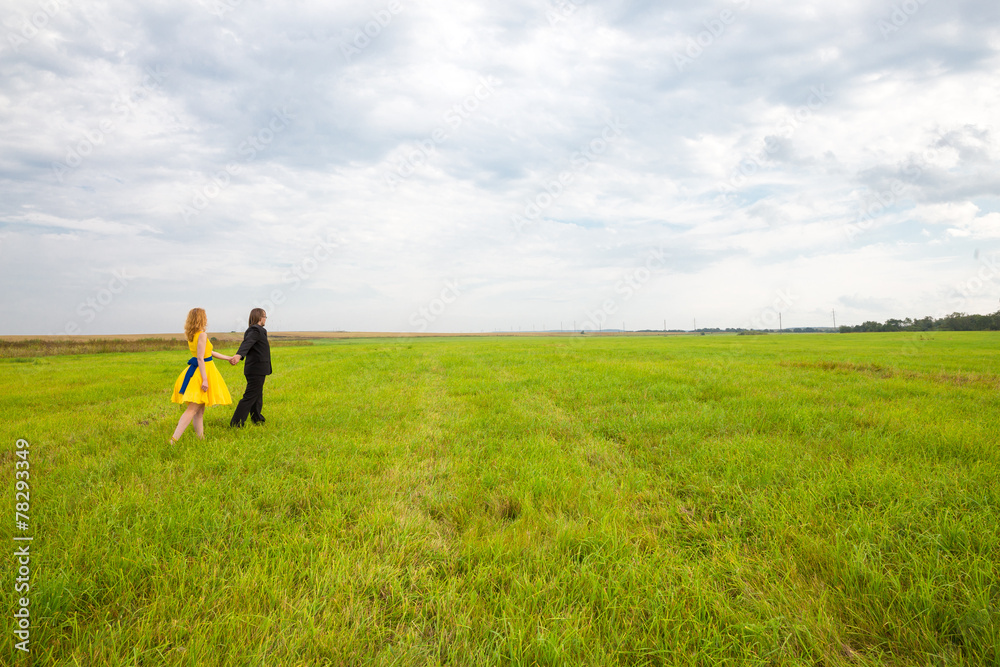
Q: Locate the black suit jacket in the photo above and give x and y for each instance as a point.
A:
(256, 351)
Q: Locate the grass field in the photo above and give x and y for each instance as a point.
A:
(758, 500)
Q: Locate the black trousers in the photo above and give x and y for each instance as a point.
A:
(251, 403)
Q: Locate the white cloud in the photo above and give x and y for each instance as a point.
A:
(962, 219)
(156, 101)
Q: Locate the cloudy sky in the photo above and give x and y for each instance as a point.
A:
(403, 165)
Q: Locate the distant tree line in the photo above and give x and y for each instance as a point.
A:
(740, 330)
(953, 322)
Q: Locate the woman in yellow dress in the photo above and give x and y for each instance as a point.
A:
(209, 388)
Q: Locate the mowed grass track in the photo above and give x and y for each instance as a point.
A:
(768, 500)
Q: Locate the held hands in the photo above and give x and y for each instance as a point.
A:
(235, 359)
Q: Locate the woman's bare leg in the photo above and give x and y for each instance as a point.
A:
(185, 419)
(199, 421)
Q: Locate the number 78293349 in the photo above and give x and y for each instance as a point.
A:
(23, 491)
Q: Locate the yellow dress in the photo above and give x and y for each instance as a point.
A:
(218, 392)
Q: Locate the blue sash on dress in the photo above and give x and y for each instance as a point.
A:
(192, 367)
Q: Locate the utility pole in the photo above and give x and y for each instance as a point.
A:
(834, 318)
(779, 322)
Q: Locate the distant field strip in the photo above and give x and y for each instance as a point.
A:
(47, 347)
(699, 500)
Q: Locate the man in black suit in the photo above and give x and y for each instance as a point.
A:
(257, 352)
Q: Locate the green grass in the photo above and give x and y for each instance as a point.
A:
(765, 500)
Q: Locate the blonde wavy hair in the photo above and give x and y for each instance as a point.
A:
(196, 322)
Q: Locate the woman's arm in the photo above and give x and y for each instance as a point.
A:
(220, 356)
(202, 343)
